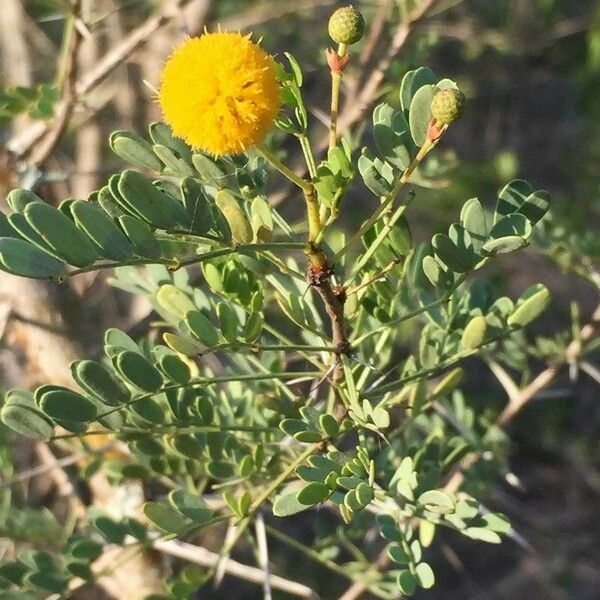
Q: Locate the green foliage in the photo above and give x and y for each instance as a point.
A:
(373, 437)
(37, 102)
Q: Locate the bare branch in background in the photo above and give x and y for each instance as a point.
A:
(373, 39)
(263, 554)
(88, 139)
(546, 377)
(15, 56)
(21, 144)
(271, 12)
(73, 37)
(201, 556)
(471, 32)
(16, 62)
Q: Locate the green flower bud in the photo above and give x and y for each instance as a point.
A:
(447, 106)
(346, 25)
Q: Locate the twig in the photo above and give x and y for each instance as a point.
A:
(60, 478)
(520, 398)
(263, 553)
(591, 370)
(377, 26)
(50, 463)
(88, 134)
(505, 380)
(281, 478)
(238, 526)
(16, 57)
(375, 277)
(374, 38)
(318, 558)
(201, 556)
(23, 143)
(231, 537)
(523, 45)
(68, 76)
(542, 381)
(270, 12)
(546, 377)
(357, 589)
(307, 551)
(410, 315)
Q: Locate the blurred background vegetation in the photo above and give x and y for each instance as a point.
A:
(531, 72)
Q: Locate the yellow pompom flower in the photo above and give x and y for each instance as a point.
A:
(219, 92)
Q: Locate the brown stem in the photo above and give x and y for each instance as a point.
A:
(319, 276)
(68, 77)
(334, 305)
(333, 298)
(319, 270)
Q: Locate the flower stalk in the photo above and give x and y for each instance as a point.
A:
(317, 258)
(337, 62)
(308, 155)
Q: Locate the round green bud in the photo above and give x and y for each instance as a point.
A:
(346, 25)
(447, 106)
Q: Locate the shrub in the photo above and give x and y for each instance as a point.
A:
(314, 400)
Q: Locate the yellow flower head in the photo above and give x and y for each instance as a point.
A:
(219, 92)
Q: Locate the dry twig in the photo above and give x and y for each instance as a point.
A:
(24, 143)
(73, 37)
(201, 556)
